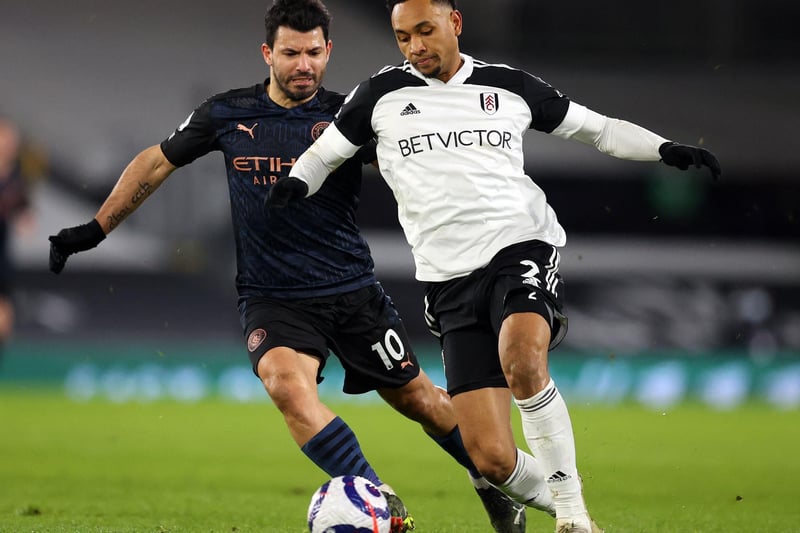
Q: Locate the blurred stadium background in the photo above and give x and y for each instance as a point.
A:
(677, 288)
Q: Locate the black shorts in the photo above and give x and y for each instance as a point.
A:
(466, 313)
(362, 328)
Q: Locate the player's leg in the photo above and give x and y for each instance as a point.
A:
(482, 402)
(421, 401)
(524, 340)
(282, 360)
(431, 406)
(289, 378)
(376, 351)
(484, 418)
(481, 398)
(374, 347)
(524, 309)
(418, 401)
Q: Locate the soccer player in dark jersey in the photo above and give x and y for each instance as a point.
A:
(449, 131)
(305, 275)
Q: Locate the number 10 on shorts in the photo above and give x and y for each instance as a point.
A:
(390, 349)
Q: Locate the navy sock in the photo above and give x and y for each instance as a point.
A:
(452, 444)
(335, 450)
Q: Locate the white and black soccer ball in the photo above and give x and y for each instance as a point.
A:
(348, 504)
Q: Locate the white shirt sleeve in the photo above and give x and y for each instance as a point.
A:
(323, 157)
(611, 136)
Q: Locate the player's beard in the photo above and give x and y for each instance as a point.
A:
(433, 73)
(295, 93)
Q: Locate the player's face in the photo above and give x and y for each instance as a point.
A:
(297, 63)
(427, 34)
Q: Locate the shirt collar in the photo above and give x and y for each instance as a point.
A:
(459, 78)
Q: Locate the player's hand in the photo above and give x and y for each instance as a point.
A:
(73, 240)
(284, 191)
(682, 156)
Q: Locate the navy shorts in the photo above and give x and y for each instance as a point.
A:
(362, 328)
(466, 313)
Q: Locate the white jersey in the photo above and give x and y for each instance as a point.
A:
(452, 154)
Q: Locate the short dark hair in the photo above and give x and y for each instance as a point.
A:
(391, 3)
(299, 15)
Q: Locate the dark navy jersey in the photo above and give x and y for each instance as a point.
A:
(311, 248)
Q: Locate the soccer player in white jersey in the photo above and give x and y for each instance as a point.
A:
(485, 241)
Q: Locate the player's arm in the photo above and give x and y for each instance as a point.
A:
(312, 168)
(339, 142)
(143, 175)
(626, 140)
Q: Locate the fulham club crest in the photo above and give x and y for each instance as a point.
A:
(490, 103)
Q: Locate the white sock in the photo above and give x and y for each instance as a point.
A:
(548, 430)
(527, 484)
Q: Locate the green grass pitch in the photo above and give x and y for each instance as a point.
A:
(219, 466)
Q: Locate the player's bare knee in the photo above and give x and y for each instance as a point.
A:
(493, 461)
(525, 383)
(278, 390)
(286, 389)
(525, 368)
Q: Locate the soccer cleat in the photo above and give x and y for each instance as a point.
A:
(582, 524)
(401, 520)
(506, 515)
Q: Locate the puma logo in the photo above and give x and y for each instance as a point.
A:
(242, 127)
(406, 363)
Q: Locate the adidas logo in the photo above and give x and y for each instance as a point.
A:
(558, 476)
(410, 109)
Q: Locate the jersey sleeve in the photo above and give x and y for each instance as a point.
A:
(368, 153)
(354, 119)
(195, 137)
(617, 138)
(548, 106)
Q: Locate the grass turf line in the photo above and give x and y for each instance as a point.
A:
(219, 466)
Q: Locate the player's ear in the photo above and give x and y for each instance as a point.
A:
(328, 48)
(457, 21)
(266, 52)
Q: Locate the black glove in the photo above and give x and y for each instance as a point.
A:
(681, 156)
(73, 240)
(284, 191)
